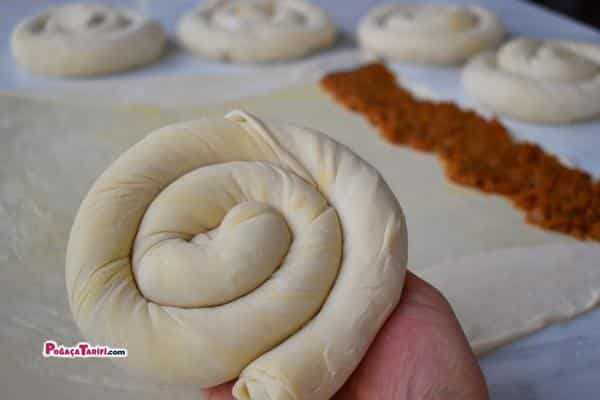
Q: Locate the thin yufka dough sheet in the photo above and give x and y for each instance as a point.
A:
(50, 153)
(49, 156)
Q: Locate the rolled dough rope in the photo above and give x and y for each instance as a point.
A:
(234, 247)
(248, 31)
(428, 33)
(543, 81)
(86, 39)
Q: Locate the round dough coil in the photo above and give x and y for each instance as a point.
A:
(429, 33)
(256, 30)
(234, 247)
(545, 81)
(86, 39)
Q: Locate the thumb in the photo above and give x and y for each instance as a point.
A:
(221, 392)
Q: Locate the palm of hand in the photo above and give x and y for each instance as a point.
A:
(420, 353)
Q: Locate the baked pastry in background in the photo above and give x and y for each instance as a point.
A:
(82, 39)
(429, 33)
(255, 31)
(541, 81)
(238, 247)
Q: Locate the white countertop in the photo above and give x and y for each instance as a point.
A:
(559, 362)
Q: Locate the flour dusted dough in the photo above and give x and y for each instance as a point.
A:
(228, 247)
(544, 81)
(429, 33)
(86, 39)
(256, 30)
(52, 152)
(538, 285)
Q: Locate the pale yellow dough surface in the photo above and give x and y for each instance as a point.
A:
(540, 81)
(238, 246)
(255, 31)
(83, 39)
(429, 33)
(475, 248)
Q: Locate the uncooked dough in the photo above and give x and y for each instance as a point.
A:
(86, 39)
(429, 33)
(542, 81)
(509, 293)
(52, 151)
(228, 247)
(256, 31)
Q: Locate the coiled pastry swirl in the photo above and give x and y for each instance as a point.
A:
(252, 31)
(238, 247)
(86, 39)
(545, 81)
(429, 33)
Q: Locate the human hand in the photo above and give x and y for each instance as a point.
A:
(420, 353)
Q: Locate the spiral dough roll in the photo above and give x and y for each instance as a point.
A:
(86, 39)
(254, 31)
(234, 247)
(429, 33)
(543, 81)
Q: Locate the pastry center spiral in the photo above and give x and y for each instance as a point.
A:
(240, 15)
(84, 19)
(210, 237)
(546, 61)
(433, 19)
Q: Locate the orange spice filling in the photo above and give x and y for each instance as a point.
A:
(476, 152)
